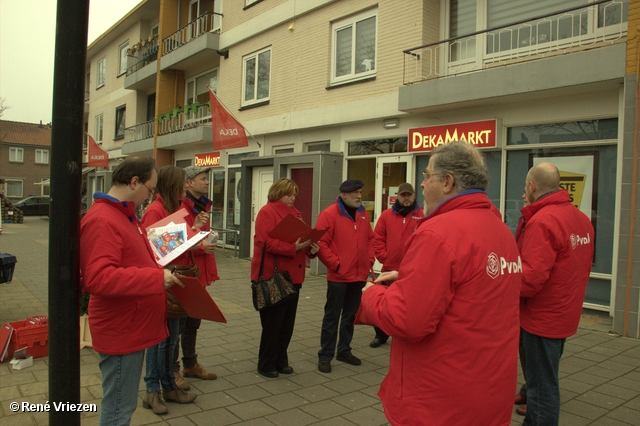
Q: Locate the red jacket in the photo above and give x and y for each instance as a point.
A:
(287, 257)
(391, 233)
(453, 316)
(347, 243)
(556, 243)
(206, 262)
(128, 304)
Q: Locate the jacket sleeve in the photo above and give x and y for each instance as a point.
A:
(102, 247)
(538, 252)
(326, 255)
(380, 239)
(265, 222)
(413, 306)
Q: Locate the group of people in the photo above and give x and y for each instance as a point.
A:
(130, 292)
(458, 294)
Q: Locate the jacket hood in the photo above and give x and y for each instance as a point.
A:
(558, 197)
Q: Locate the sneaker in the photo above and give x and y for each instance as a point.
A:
(521, 410)
(155, 401)
(179, 396)
(180, 381)
(324, 366)
(520, 400)
(349, 359)
(198, 372)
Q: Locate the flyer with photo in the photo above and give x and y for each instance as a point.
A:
(171, 237)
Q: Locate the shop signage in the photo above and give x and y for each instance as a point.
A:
(481, 134)
(208, 159)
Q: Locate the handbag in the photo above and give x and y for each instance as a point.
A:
(274, 291)
(174, 308)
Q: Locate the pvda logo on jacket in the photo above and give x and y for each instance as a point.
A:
(496, 265)
(577, 240)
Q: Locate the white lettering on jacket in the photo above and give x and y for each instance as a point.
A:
(497, 265)
(577, 240)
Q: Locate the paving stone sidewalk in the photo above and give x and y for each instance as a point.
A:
(600, 372)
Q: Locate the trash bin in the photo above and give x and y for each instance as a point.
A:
(7, 265)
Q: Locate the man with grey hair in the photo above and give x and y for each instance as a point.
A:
(453, 308)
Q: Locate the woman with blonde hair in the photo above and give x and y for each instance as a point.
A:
(278, 321)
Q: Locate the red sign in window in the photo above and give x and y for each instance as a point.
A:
(208, 159)
(481, 134)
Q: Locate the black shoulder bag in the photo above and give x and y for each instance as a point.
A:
(274, 291)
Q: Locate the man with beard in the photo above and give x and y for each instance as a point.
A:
(393, 229)
(346, 250)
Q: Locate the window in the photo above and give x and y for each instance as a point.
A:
(256, 77)
(42, 156)
(98, 130)
(250, 2)
(122, 58)
(319, 146)
(197, 90)
(354, 47)
(16, 155)
(102, 71)
(121, 113)
(13, 188)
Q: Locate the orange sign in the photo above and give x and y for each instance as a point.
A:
(208, 159)
(481, 134)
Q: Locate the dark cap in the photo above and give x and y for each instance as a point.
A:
(351, 185)
(406, 187)
(193, 171)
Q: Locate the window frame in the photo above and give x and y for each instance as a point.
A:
(342, 24)
(42, 152)
(122, 54)
(101, 72)
(99, 128)
(194, 80)
(120, 126)
(13, 152)
(6, 188)
(255, 55)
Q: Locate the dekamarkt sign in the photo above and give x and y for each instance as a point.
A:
(481, 134)
(208, 159)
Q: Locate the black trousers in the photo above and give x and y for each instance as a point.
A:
(188, 333)
(277, 329)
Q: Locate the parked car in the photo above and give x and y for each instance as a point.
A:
(34, 206)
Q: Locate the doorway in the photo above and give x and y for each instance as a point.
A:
(262, 178)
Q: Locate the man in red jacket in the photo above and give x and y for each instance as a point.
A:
(128, 304)
(346, 249)
(393, 229)
(556, 243)
(195, 202)
(453, 310)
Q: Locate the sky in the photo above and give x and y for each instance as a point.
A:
(27, 45)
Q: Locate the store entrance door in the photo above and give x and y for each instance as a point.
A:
(390, 172)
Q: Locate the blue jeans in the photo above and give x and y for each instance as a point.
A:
(343, 300)
(159, 367)
(120, 379)
(543, 390)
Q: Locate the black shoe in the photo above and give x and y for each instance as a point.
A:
(286, 370)
(324, 366)
(349, 359)
(269, 374)
(377, 342)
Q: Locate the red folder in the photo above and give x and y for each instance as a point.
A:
(291, 228)
(196, 300)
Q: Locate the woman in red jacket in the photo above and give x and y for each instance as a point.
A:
(278, 321)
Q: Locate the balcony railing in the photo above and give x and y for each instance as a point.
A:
(139, 132)
(194, 115)
(143, 56)
(601, 23)
(204, 23)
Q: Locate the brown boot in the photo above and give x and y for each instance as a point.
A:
(179, 396)
(199, 372)
(155, 401)
(180, 381)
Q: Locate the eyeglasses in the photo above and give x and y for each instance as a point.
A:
(148, 189)
(427, 175)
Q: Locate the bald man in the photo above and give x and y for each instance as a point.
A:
(556, 244)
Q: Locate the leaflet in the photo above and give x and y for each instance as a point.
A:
(171, 237)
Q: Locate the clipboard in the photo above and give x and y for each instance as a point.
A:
(291, 228)
(171, 237)
(196, 300)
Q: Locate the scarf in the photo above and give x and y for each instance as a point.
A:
(404, 211)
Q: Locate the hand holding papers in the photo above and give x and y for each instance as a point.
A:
(291, 228)
(170, 237)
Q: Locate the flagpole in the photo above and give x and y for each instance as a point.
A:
(230, 113)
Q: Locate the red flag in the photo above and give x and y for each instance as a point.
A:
(97, 156)
(227, 131)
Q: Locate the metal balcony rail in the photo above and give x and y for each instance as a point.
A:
(139, 132)
(143, 56)
(600, 24)
(209, 21)
(191, 116)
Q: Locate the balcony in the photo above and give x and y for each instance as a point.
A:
(139, 75)
(526, 56)
(193, 44)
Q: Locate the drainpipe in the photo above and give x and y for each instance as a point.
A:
(67, 130)
(634, 194)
